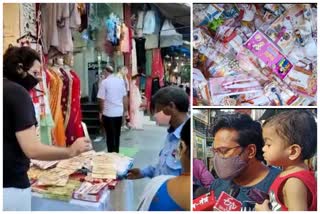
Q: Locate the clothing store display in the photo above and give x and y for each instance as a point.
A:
(18, 115)
(141, 52)
(57, 25)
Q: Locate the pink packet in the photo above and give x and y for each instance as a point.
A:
(266, 51)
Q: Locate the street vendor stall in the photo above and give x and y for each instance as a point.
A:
(86, 182)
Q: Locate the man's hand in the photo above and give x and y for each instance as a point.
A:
(81, 145)
(134, 174)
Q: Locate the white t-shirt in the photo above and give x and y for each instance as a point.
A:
(112, 90)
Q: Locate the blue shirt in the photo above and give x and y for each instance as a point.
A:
(162, 201)
(220, 185)
(167, 164)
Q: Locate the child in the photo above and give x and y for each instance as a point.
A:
(290, 138)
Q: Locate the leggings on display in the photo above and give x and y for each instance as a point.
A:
(112, 126)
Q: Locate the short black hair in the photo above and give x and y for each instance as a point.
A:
(15, 56)
(296, 127)
(171, 94)
(249, 131)
(185, 134)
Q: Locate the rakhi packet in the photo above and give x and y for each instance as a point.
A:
(267, 52)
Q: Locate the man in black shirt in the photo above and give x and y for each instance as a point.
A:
(20, 141)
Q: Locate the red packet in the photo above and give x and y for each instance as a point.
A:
(266, 51)
(204, 202)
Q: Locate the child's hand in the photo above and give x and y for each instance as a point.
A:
(263, 207)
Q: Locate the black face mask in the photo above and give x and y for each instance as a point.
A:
(28, 82)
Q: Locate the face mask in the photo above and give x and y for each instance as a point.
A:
(228, 168)
(162, 119)
(28, 82)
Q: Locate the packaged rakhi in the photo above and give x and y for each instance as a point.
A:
(266, 51)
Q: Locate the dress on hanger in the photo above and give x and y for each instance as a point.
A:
(140, 20)
(125, 39)
(149, 25)
(65, 93)
(74, 128)
(134, 59)
(55, 90)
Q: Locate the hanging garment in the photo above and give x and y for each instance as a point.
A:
(55, 90)
(142, 82)
(141, 52)
(84, 11)
(157, 66)
(152, 41)
(134, 59)
(149, 63)
(140, 20)
(74, 128)
(149, 24)
(125, 39)
(66, 121)
(148, 91)
(136, 115)
(65, 93)
(58, 20)
(169, 36)
(28, 18)
(46, 122)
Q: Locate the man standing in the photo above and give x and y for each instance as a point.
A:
(171, 102)
(113, 102)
